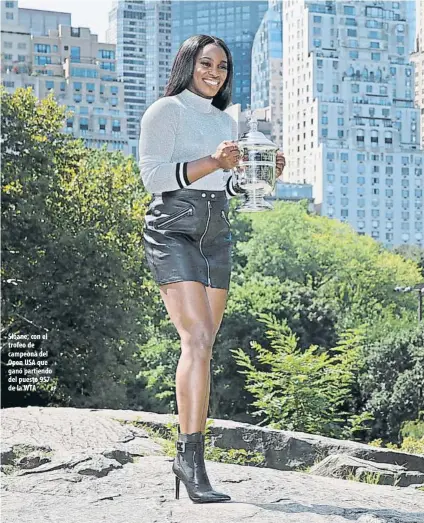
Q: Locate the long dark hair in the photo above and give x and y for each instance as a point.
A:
(183, 69)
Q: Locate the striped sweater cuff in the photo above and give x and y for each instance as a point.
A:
(181, 175)
(229, 188)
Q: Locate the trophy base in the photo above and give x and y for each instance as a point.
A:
(254, 202)
(257, 207)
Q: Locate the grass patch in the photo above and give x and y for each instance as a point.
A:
(167, 435)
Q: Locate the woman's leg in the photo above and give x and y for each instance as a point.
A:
(217, 302)
(189, 309)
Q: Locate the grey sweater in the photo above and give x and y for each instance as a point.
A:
(176, 130)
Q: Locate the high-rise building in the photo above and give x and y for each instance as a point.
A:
(235, 22)
(350, 125)
(267, 69)
(80, 71)
(418, 59)
(141, 30)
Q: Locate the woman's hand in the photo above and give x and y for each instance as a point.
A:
(227, 155)
(281, 163)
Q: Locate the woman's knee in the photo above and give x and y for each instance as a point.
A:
(198, 340)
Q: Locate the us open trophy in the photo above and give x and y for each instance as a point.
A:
(256, 172)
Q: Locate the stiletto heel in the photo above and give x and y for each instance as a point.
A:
(177, 487)
(189, 467)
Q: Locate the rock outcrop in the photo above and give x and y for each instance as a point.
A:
(76, 465)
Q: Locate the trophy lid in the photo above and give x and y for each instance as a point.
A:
(253, 137)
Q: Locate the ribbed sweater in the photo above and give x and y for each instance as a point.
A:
(176, 130)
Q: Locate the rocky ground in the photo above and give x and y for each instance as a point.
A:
(64, 465)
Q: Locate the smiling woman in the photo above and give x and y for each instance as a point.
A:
(187, 147)
(210, 71)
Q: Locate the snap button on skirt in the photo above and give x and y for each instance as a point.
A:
(187, 237)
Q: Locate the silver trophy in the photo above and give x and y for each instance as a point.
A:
(256, 172)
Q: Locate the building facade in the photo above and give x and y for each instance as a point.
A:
(141, 31)
(418, 59)
(39, 22)
(235, 22)
(267, 69)
(350, 125)
(78, 70)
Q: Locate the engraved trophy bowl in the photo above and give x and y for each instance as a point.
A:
(256, 171)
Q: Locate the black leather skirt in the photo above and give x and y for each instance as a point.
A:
(187, 237)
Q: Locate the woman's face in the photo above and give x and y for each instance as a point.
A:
(210, 71)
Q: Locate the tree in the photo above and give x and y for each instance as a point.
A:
(354, 272)
(73, 263)
(392, 381)
(301, 390)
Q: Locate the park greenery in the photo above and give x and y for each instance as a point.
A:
(314, 337)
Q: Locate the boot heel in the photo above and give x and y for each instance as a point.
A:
(177, 487)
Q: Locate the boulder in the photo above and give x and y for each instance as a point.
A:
(346, 467)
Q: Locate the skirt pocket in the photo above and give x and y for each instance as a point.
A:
(172, 218)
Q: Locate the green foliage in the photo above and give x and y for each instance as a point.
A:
(392, 381)
(354, 272)
(300, 390)
(73, 262)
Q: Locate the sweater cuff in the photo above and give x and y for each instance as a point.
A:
(181, 175)
(229, 188)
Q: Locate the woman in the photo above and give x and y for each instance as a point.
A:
(187, 147)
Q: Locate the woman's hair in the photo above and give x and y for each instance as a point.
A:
(183, 69)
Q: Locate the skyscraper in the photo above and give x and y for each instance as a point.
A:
(141, 31)
(418, 59)
(71, 64)
(267, 69)
(350, 125)
(235, 22)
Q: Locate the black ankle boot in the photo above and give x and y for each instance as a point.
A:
(189, 467)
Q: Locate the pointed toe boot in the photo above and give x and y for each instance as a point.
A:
(189, 467)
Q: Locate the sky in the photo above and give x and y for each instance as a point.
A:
(85, 13)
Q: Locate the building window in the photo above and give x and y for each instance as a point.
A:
(9, 16)
(106, 54)
(42, 60)
(375, 57)
(83, 124)
(107, 66)
(75, 54)
(42, 48)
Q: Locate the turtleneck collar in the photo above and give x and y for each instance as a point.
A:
(203, 105)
